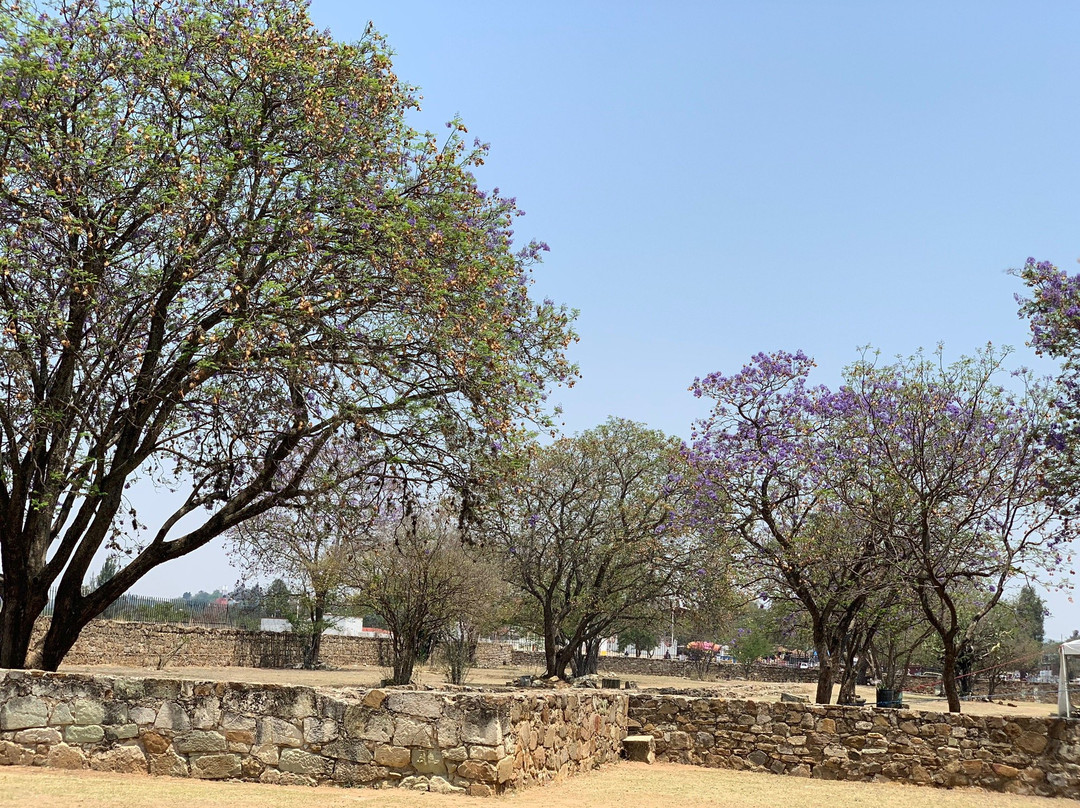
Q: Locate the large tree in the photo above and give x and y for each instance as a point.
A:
(220, 244)
(589, 536)
(763, 486)
(949, 467)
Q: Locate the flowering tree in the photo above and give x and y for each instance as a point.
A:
(947, 466)
(763, 484)
(220, 245)
(1053, 311)
(588, 534)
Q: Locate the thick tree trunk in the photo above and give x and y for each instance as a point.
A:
(17, 616)
(826, 675)
(404, 662)
(948, 675)
(586, 659)
(550, 646)
(563, 658)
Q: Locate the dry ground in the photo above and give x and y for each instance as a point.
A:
(370, 676)
(629, 785)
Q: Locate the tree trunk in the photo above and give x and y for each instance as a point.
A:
(403, 666)
(586, 659)
(826, 674)
(314, 643)
(550, 649)
(17, 616)
(563, 658)
(948, 675)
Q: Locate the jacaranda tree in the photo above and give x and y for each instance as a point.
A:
(763, 484)
(947, 465)
(220, 244)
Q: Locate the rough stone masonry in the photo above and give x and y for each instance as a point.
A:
(479, 743)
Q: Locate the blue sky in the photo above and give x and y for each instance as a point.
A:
(718, 179)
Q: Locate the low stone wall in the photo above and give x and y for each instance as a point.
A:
(1021, 755)
(145, 645)
(439, 741)
(643, 666)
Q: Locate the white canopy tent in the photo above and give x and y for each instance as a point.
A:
(1071, 648)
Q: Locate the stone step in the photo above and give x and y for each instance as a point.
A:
(641, 748)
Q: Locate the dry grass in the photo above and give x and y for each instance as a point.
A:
(632, 785)
(370, 676)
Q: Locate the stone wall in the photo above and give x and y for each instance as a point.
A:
(643, 666)
(439, 741)
(145, 645)
(1022, 755)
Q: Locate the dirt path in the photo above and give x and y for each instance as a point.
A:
(629, 785)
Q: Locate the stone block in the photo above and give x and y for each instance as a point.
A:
(298, 761)
(216, 767)
(124, 759)
(76, 733)
(1031, 742)
(61, 715)
(207, 714)
(428, 761)
(374, 699)
(279, 778)
(142, 715)
(172, 717)
(458, 754)
(440, 785)
(168, 764)
(199, 741)
(362, 723)
(348, 773)
(409, 732)
(396, 757)
(122, 732)
(88, 711)
(504, 769)
(39, 735)
(23, 712)
(266, 753)
(275, 731)
(234, 721)
(320, 730)
(11, 754)
(63, 756)
(414, 783)
(482, 729)
(355, 751)
(477, 770)
(154, 743)
(421, 705)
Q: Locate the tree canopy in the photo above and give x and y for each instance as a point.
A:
(221, 244)
(589, 534)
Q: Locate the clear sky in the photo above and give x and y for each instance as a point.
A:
(717, 179)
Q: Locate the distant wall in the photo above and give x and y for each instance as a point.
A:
(643, 666)
(1020, 755)
(479, 743)
(143, 645)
